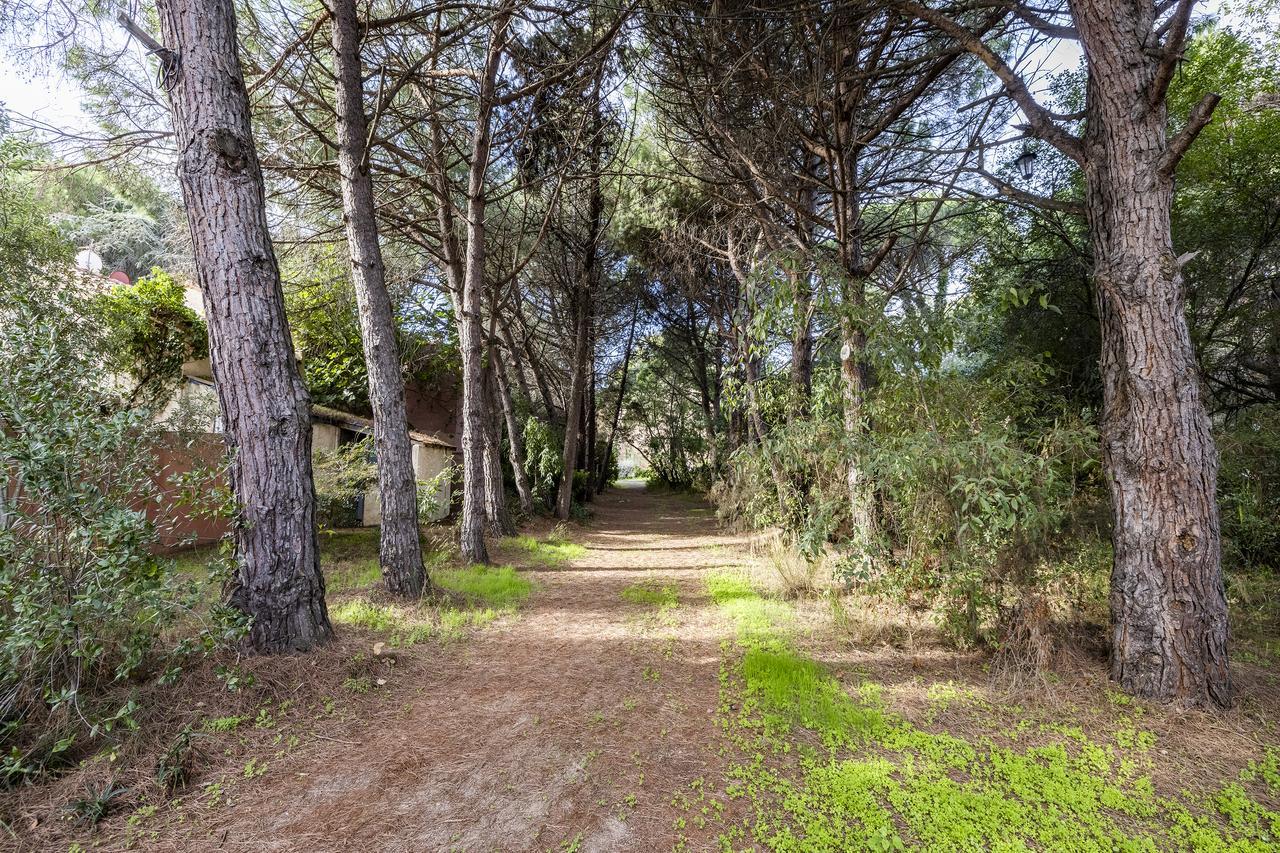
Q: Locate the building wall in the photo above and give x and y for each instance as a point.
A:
(435, 410)
(325, 437)
(428, 462)
(177, 524)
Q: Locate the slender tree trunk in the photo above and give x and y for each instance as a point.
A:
(535, 367)
(515, 436)
(802, 347)
(697, 341)
(854, 383)
(517, 364)
(1168, 607)
(590, 426)
(399, 549)
(471, 326)
(603, 474)
(751, 374)
(497, 518)
(855, 372)
(582, 314)
(264, 404)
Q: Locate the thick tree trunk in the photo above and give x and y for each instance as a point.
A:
(1168, 607)
(399, 550)
(264, 404)
(497, 518)
(515, 436)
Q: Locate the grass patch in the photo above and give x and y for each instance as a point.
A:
(359, 574)
(554, 549)
(651, 594)
(824, 768)
(755, 616)
(486, 593)
(501, 588)
(362, 613)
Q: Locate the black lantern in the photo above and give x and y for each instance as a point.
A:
(1026, 163)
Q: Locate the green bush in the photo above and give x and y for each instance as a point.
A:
(975, 484)
(976, 481)
(83, 597)
(543, 448)
(341, 476)
(1249, 489)
(150, 333)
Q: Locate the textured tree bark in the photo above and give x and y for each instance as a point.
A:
(802, 347)
(399, 549)
(1168, 606)
(265, 406)
(515, 436)
(471, 327)
(497, 518)
(583, 315)
(855, 380)
(582, 319)
(590, 426)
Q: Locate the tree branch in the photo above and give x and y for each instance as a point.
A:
(1201, 114)
(1041, 120)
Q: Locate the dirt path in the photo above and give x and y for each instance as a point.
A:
(572, 728)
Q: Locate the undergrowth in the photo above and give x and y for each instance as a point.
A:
(651, 594)
(554, 549)
(485, 594)
(822, 767)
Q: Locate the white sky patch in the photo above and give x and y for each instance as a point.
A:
(44, 95)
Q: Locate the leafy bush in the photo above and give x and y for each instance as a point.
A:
(974, 482)
(543, 447)
(82, 595)
(150, 333)
(341, 476)
(1249, 489)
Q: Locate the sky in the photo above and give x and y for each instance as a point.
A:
(48, 97)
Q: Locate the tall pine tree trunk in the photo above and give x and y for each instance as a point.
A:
(497, 518)
(399, 550)
(602, 475)
(264, 404)
(515, 435)
(471, 327)
(573, 418)
(1168, 607)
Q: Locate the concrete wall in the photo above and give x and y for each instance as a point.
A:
(428, 461)
(324, 437)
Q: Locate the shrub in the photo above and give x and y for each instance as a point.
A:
(1249, 489)
(82, 595)
(543, 448)
(341, 476)
(974, 481)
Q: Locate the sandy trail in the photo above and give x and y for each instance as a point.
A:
(575, 724)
